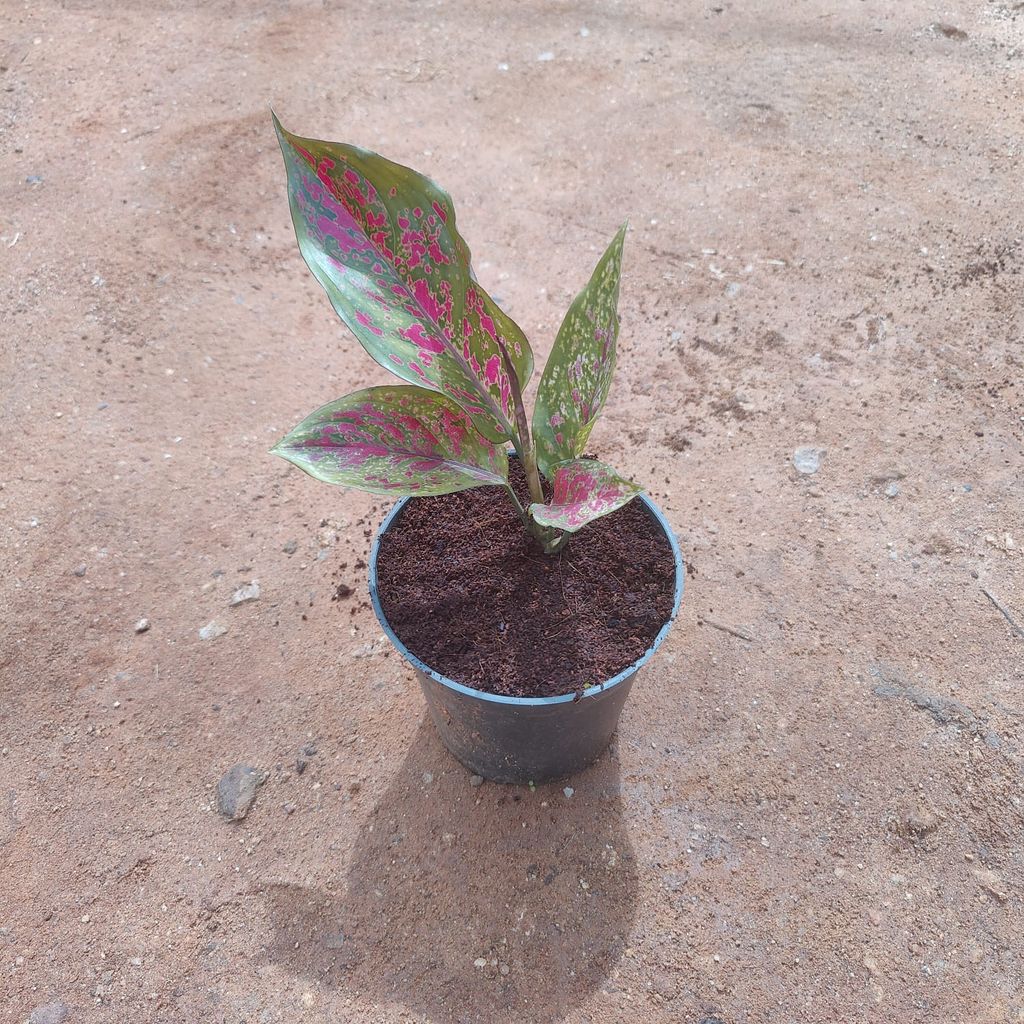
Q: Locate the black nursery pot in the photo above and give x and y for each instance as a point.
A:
(524, 739)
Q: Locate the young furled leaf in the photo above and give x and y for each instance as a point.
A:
(396, 440)
(582, 490)
(575, 382)
(382, 241)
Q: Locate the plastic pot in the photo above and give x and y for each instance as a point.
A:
(524, 739)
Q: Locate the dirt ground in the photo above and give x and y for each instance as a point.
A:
(812, 815)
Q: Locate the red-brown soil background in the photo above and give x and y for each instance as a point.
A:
(821, 823)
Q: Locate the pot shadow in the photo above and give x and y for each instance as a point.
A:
(445, 876)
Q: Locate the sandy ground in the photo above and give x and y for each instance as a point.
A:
(822, 822)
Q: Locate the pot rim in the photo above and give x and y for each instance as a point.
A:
(496, 698)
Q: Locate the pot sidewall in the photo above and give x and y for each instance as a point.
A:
(524, 739)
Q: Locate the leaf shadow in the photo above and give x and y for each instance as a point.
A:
(471, 904)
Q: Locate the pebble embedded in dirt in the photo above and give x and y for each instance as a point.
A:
(372, 649)
(290, 547)
(807, 459)
(476, 780)
(249, 592)
(212, 630)
(568, 791)
(50, 1013)
(79, 570)
(892, 490)
(236, 791)
(302, 760)
(142, 626)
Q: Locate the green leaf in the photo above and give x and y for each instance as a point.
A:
(382, 241)
(579, 371)
(582, 491)
(396, 440)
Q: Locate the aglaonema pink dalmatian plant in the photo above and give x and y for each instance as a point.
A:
(382, 241)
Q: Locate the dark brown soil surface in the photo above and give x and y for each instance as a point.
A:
(471, 594)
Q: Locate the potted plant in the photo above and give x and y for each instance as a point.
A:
(526, 588)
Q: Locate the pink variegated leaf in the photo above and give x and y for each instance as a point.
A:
(579, 371)
(382, 241)
(395, 440)
(582, 491)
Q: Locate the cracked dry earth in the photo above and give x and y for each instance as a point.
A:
(812, 810)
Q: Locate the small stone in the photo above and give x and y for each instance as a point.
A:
(290, 547)
(921, 822)
(428, 778)
(289, 808)
(947, 30)
(503, 970)
(50, 1013)
(302, 761)
(136, 961)
(236, 791)
(568, 791)
(476, 780)
(142, 626)
(211, 631)
(79, 570)
(807, 459)
(545, 56)
(892, 490)
(250, 592)
(34, 179)
(480, 962)
(991, 883)
(371, 650)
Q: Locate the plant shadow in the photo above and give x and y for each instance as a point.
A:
(472, 904)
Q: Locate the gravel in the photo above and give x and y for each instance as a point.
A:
(250, 592)
(236, 791)
(302, 760)
(212, 630)
(807, 459)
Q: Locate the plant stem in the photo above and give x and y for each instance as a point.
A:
(524, 442)
(527, 521)
(552, 541)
